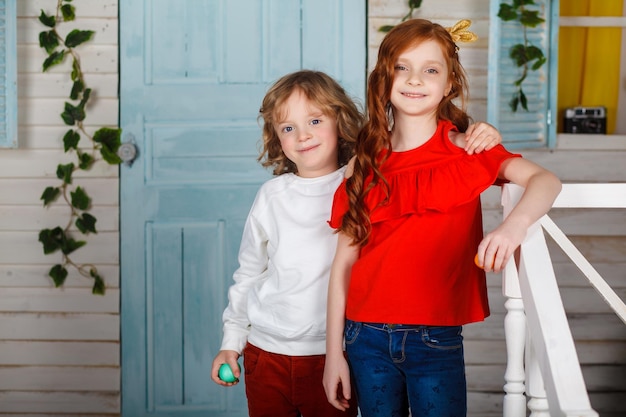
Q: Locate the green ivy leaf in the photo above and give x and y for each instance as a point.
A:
(49, 21)
(77, 88)
(507, 12)
(532, 52)
(53, 59)
(58, 274)
(414, 4)
(85, 161)
(110, 139)
(109, 156)
(539, 63)
(80, 199)
(385, 28)
(77, 37)
(68, 12)
(48, 40)
(64, 172)
(514, 103)
(85, 99)
(523, 100)
(86, 223)
(98, 285)
(518, 54)
(530, 18)
(75, 75)
(72, 114)
(51, 239)
(70, 140)
(70, 245)
(49, 195)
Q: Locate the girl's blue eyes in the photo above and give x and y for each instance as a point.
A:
(403, 68)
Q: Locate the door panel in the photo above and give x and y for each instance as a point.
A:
(193, 74)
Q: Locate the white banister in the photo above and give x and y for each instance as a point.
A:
(515, 335)
(542, 362)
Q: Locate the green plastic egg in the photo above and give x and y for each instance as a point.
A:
(225, 373)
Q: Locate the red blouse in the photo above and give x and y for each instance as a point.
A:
(418, 265)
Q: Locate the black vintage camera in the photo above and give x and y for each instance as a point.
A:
(585, 120)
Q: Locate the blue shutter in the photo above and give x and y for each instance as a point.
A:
(522, 129)
(8, 75)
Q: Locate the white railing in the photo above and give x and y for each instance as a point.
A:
(542, 363)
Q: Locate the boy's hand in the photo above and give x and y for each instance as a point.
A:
(480, 137)
(225, 356)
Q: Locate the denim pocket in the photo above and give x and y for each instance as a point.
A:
(447, 337)
(351, 331)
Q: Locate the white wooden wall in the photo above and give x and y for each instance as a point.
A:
(59, 348)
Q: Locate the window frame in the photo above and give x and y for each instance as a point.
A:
(580, 141)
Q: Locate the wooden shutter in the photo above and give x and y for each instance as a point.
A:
(8, 75)
(524, 128)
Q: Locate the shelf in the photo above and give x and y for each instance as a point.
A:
(590, 142)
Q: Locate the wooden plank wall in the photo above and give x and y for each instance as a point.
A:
(59, 348)
(599, 335)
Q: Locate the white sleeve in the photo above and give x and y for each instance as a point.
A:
(253, 260)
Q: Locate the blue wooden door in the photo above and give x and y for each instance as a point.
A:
(193, 74)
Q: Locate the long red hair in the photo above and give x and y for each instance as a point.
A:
(374, 141)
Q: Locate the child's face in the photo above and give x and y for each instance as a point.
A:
(420, 80)
(308, 137)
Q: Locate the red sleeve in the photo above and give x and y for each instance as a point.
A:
(340, 206)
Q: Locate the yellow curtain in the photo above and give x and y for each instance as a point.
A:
(589, 59)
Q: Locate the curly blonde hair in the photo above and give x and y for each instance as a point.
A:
(323, 91)
(374, 141)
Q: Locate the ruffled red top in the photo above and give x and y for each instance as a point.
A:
(418, 265)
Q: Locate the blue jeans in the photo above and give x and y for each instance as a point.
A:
(395, 367)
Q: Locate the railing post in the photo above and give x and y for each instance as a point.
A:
(538, 403)
(514, 404)
(514, 332)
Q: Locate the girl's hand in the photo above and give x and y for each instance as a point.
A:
(336, 382)
(225, 356)
(480, 137)
(497, 247)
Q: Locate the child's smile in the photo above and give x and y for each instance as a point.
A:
(308, 137)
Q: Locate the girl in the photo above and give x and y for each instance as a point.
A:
(277, 306)
(403, 280)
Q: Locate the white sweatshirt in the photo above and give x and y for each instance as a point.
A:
(278, 300)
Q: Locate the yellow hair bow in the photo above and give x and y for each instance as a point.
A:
(460, 33)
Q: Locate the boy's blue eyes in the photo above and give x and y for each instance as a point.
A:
(288, 129)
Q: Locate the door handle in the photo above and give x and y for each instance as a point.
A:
(128, 151)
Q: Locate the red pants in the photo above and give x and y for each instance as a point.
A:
(287, 386)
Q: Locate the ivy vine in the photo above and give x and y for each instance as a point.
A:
(105, 143)
(413, 5)
(525, 55)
